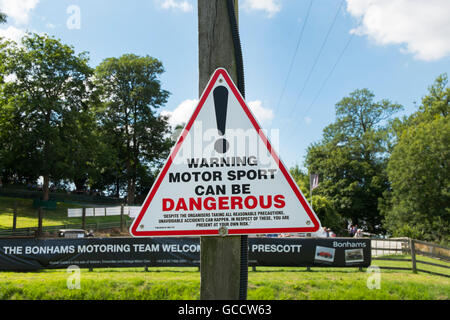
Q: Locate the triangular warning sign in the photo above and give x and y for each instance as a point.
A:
(223, 177)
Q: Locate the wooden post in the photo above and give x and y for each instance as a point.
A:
(39, 233)
(219, 256)
(14, 227)
(83, 219)
(121, 217)
(413, 255)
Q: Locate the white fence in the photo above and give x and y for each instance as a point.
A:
(131, 211)
(394, 246)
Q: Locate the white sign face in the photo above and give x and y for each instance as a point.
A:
(223, 173)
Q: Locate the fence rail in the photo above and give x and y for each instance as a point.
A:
(101, 211)
(131, 211)
(382, 247)
(33, 232)
(58, 196)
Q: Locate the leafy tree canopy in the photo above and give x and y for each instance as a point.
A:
(351, 158)
(48, 93)
(417, 205)
(130, 92)
(3, 17)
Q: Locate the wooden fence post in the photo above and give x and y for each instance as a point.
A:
(83, 219)
(15, 217)
(413, 255)
(39, 232)
(121, 217)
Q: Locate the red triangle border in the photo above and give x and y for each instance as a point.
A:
(136, 233)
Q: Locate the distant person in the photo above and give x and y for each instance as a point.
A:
(322, 233)
(354, 230)
(331, 234)
(358, 234)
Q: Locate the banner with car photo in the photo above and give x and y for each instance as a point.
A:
(309, 252)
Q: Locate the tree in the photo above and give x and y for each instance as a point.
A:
(322, 206)
(49, 94)
(351, 158)
(3, 17)
(131, 92)
(18, 146)
(417, 205)
(82, 150)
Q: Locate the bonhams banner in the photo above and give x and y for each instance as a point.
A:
(36, 254)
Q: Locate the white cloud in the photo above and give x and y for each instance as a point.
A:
(421, 27)
(308, 120)
(185, 109)
(263, 115)
(12, 33)
(50, 25)
(272, 7)
(184, 5)
(18, 10)
(182, 113)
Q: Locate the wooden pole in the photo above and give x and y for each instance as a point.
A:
(15, 217)
(413, 255)
(39, 233)
(121, 217)
(219, 256)
(83, 219)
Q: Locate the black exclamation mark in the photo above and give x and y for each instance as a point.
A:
(221, 105)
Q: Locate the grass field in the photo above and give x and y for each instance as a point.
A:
(28, 218)
(264, 284)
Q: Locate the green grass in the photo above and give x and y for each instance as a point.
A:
(27, 215)
(267, 283)
(103, 284)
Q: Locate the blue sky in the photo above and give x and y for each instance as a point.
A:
(397, 49)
